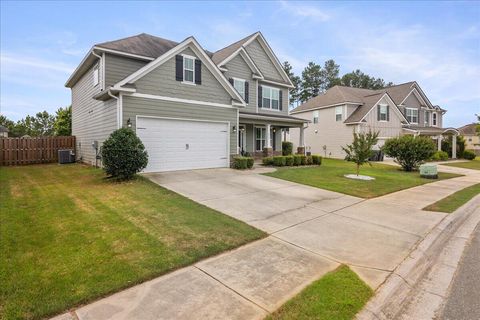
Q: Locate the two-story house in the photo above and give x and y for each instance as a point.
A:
(392, 111)
(191, 108)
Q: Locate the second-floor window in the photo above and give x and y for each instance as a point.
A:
(383, 112)
(434, 119)
(239, 85)
(96, 77)
(270, 98)
(427, 118)
(188, 69)
(338, 113)
(315, 116)
(412, 115)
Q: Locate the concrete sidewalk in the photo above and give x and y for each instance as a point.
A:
(312, 231)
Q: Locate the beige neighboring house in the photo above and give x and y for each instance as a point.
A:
(393, 111)
(3, 132)
(472, 140)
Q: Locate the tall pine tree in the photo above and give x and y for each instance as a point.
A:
(296, 81)
(312, 81)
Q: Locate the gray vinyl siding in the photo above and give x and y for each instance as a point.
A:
(284, 110)
(92, 120)
(412, 102)
(238, 68)
(161, 82)
(263, 62)
(388, 129)
(118, 68)
(136, 106)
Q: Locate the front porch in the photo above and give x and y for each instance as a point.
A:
(437, 134)
(262, 135)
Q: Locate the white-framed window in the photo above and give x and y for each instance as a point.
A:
(434, 119)
(260, 134)
(270, 98)
(427, 118)
(239, 85)
(412, 115)
(315, 116)
(188, 69)
(338, 113)
(96, 78)
(383, 112)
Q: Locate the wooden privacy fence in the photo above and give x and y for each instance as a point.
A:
(22, 151)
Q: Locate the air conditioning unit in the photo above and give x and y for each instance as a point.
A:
(66, 156)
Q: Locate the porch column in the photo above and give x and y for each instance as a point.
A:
(301, 143)
(267, 137)
(439, 143)
(454, 147)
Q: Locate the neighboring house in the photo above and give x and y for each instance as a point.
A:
(393, 111)
(472, 139)
(3, 132)
(191, 108)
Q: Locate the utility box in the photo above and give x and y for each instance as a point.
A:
(429, 171)
(66, 156)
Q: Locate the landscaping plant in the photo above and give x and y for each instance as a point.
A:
(279, 161)
(123, 154)
(469, 155)
(409, 151)
(317, 159)
(360, 150)
(440, 156)
(267, 161)
(287, 148)
(289, 161)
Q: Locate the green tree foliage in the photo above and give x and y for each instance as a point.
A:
(296, 81)
(312, 81)
(447, 146)
(409, 151)
(7, 123)
(360, 150)
(358, 79)
(330, 73)
(123, 154)
(63, 121)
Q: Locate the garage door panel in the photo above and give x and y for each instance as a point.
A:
(183, 144)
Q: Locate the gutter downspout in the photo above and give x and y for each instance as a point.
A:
(119, 125)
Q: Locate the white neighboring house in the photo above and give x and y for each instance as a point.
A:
(393, 111)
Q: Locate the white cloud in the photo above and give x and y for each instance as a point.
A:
(13, 61)
(305, 11)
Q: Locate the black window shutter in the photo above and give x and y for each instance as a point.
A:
(378, 113)
(179, 67)
(246, 91)
(388, 113)
(280, 100)
(231, 81)
(198, 71)
(259, 97)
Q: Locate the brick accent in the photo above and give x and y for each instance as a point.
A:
(267, 152)
(301, 150)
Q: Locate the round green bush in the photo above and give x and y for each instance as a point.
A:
(316, 159)
(440, 156)
(303, 160)
(287, 148)
(409, 151)
(240, 163)
(123, 154)
(289, 161)
(469, 155)
(250, 162)
(279, 161)
(267, 161)
(297, 160)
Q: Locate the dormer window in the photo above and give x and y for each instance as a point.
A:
(188, 69)
(412, 115)
(382, 112)
(96, 77)
(239, 85)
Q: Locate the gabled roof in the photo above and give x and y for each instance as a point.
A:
(141, 44)
(469, 129)
(224, 53)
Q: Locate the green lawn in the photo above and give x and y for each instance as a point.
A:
(456, 200)
(68, 236)
(338, 295)
(471, 164)
(330, 176)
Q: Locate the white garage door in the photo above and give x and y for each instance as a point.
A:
(183, 144)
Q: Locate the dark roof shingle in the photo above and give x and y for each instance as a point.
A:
(142, 44)
(469, 129)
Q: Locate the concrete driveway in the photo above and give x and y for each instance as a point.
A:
(311, 232)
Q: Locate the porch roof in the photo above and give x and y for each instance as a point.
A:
(276, 118)
(431, 131)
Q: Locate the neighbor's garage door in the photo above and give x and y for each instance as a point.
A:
(183, 144)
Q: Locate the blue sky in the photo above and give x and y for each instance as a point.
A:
(435, 43)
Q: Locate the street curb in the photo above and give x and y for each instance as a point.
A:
(393, 296)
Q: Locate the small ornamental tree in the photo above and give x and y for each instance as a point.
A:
(123, 154)
(409, 151)
(360, 150)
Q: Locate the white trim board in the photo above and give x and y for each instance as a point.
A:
(179, 100)
(248, 60)
(390, 103)
(197, 49)
(328, 106)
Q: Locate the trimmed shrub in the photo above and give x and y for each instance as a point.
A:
(409, 151)
(440, 156)
(240, 163)
(267, 161)
(279, 161)
(287, 148)
(317, 159)
(123, 154)
(297, 159)
(469, 155)
(250, 162)
(289, 161)
(303, 160)
(309, 161)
